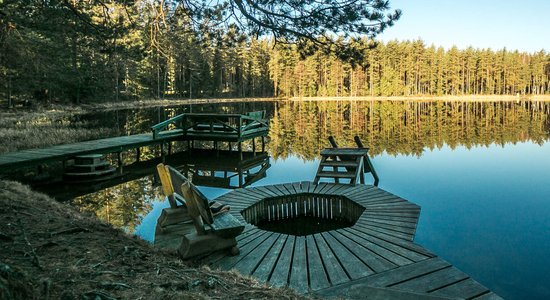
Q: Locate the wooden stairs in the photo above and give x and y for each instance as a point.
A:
(345, 163)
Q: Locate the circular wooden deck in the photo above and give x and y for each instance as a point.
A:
(377, 252)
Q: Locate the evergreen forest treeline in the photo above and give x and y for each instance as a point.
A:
(107, 51)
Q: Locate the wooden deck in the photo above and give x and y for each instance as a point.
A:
(375, 257)
(32, 157)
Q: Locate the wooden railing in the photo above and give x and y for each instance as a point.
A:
(217, 126)
(332, 207)
(162, 127)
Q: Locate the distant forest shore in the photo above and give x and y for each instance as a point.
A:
(461, 98)
(144, 103)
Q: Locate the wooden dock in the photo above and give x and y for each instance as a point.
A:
(189, 127)
(34, 157)
(376, 256)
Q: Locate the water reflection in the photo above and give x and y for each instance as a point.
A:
(300, 129)
(224, 169)
(404, 127)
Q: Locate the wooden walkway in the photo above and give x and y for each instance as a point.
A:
(33, 157)
(376, 256)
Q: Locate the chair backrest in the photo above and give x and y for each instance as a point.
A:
(197, 202)
(167, 186)
(172, 180)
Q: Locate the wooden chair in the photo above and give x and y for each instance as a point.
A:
(212, 233)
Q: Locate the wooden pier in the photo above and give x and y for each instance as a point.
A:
(376, 256)
(35, 157)
(186, 127)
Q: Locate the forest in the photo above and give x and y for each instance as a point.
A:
(114, 51)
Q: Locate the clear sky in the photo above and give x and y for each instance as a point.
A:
(516, 25)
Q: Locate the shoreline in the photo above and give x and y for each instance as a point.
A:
(148, 103)
(461, 98)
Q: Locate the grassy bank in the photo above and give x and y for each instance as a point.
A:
(49, 250)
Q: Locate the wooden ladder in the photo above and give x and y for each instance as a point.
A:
(345, 163)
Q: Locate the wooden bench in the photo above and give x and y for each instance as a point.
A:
(188, 204)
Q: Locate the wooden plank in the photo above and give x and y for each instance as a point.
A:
(248, 264)
(274, 190)
(468, 288)
(264, 192)
(317, 276)
(376, 262)
(280, 274)
(406, 216)
(344, 152)
(228, 262)
(297, 187)
(432, 281)
(406, 249)
(354, 267)
(378, 250)
(282, 189)
(384, 221)
(299, 270)
(333, 268)
(408, 231)
(330, 174)
(405, 236)
(338, 163)
(249, 235)
(405, 273)
(265, 268)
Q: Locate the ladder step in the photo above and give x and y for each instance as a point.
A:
(336, 174)
(335, 163)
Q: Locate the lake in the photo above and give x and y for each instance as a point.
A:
(479, 170)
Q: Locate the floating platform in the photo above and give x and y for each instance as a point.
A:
(374, 256)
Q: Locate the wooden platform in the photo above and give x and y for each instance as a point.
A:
(375, 257)
(32, 157)
(215, 126)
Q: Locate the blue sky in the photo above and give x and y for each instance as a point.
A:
(516, 25)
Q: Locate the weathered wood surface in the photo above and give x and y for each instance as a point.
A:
(33, 157)
(376, 255)
(215, 126)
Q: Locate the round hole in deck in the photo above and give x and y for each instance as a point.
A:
(303, 214)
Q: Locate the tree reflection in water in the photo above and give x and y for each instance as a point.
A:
(301, 128)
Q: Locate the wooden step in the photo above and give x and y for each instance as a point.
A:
(336, 163)
(344, 152)
(336, 174)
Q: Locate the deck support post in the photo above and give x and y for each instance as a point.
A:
(263, 144)
(254, 146)
(162, 156)
(230, 147)
(169, 148)
(119, 161)
(240, 150)
(138, 154)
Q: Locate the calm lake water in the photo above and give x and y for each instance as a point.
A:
(480, 172)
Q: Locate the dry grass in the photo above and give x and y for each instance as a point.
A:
(49, 250)
(38, 129)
